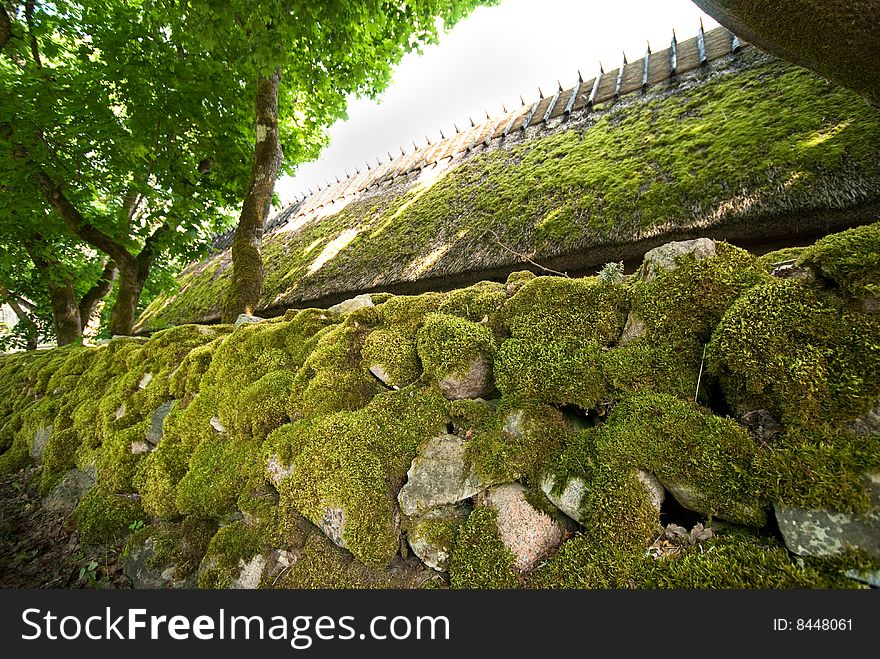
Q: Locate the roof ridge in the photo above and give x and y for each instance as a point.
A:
(640, 75)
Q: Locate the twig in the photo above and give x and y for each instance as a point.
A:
(700, 375)
(523, 256)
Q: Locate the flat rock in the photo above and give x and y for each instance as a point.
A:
(654, 488)
(250, 573)
(277, 471)
(246, 319)
(530, 534)
(217, 425)
(135, 564)
(333, 525)
(157, 422)
(692, 498)
(473, 384)
(868, 424)
(358, 302)
(634, 329)
(827, 533)
(432, 548)
(569, 499)
(439, 476)
(145, 381)
(73, 487)
(41, 438)
(665, 257)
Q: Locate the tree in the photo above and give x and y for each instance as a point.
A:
(132, 142)
(305, 60)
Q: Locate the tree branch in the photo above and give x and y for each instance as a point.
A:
(89, 303)
(5, 27)
(32, 37)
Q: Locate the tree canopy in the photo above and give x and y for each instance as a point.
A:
(131, 130)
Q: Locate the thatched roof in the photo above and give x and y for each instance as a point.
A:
(732, 144)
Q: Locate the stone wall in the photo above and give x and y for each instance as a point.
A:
(710, 421)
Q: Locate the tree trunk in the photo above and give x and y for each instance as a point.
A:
(65, 310)
(32, 333)
(247, 264)
(5, 27)
(131, 284)
(89, 302)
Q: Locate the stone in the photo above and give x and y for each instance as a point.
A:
(762, 424)
(569, 499)
(277, 472)
(135, 565)
(217, 425)
(41, 438)
(826, 533)
(157, 421)
(140, 447)
(474, 384)
(691, 497)
(382, 375)
(73, 487)
(868, 424)
(654, 488)
(358, 302)
(438, 476)
(279, 561)
(871, 305)
(333, 525)
(665, 257)
(634, 329)
(788, 270)
(120, 412)
(871, 578)
(530, 534)
(246, 319)
(145, 381)
(432, 548)
(250, 574)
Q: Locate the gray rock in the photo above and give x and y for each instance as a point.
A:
(870, 578)
(530, 534)
(333, 525)
(279, 561)
(135, 566)
(634, 329)
(788, 270)
(217, 425)
(41, 438)
(140, 447)
(871, 305)
(73, 487)
(826, 532)
(379, 371)
(359, 302)
(120, 412)
(157, 421)
(145, 381)
(439, 476)
(250, 573)
(570, 498)
(246, 319)
(868, 424)
(654, 488)
(474, 384)
(277, 472)
(691, 497)
(432, 548)
(665, 257)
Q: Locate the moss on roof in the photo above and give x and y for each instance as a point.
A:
(749, 147)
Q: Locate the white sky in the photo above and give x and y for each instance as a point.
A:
(493, 57)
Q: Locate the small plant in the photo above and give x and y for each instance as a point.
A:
(611, 273)
(137, 524)
(90, 573)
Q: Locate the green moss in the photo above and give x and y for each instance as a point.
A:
(262, 406)
(777, 257)
(797, 351)
(480, 302)
(556, 309)
(356, 462)
(58, 457)
(395, 354)
(712, 455)
(180, 545)
(850, 259)
(332, 378)
(820, 468)
(448, 345)
(217, 472)
(644, 366)
(516, 442)
(321, 565)
(104, 518)
(480, 559)
(583, 563)
(232, 545)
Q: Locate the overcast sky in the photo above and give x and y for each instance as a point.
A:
(493, 57)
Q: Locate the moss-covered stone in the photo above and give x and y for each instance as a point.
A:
(449, 346)
(849, 259)
(105, 518)
(233, 546)
(480, 559)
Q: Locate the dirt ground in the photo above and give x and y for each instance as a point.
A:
(39, 549)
